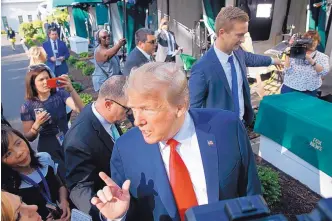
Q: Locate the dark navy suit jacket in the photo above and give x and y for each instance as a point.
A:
(228, 161)
(135, 59)
(62, 51)
(208, 85)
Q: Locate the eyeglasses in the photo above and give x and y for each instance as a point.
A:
(151, 42)
(127, 109)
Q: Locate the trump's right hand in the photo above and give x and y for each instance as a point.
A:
(112, 201)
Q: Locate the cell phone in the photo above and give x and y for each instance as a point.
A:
(54, 83)
(55, 211)
(77, 215)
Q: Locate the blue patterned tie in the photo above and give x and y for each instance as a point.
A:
(235, 89)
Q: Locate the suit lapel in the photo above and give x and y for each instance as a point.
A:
(218, 69)
(208, 148)
(161, 180)
(102, 133)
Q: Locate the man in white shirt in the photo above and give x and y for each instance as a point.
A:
(176, 157)
(167, 46)
(143, 52)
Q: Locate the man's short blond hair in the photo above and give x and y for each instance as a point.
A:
(227, 15)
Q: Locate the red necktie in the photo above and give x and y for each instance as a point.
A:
(181, 184)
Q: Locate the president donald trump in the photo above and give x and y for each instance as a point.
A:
(176, 157)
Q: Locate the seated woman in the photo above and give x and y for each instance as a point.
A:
(306, 77)
(12, 208)
(32, 176)
(44, 112)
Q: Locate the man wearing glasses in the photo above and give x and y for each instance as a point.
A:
(89, 143)
(143, 53)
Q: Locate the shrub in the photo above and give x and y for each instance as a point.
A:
(71, 78)
(80, 65)
(3, 32)
(37, 24)
(72, 60)
(84, 55)
(30, 42)
(40, 38)
(88, 70)
(86, 98)
(27, 30)
(77, 86)
(270, 184)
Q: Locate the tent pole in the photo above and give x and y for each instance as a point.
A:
(124, 28)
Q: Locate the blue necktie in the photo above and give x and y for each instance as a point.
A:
(55, 47)
(115, 132)
(235, 89)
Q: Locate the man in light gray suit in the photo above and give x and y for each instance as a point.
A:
(167, 45)
(142, 53)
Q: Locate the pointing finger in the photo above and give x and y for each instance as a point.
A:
(107, 179)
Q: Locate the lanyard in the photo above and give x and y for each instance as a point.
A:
(46, 194)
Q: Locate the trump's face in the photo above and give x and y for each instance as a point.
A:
(154, 116)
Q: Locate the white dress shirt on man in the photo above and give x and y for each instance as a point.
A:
(190, 153)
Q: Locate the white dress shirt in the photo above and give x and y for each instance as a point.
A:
(189, 151)
(55, 51)
(144, 53)
(223, 58)
(170, 42)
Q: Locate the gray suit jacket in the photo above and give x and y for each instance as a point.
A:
(163, 45)
(135, 59)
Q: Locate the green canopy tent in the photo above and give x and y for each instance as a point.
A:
(80, 15)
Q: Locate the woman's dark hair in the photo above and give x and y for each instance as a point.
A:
(30, 87)
(11, 179)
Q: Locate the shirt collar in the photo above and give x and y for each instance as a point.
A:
(222, 56)
(101, 119)
(144, 53)
(185, 133)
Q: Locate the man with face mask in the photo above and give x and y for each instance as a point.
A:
(143, 53)
(89, 143)
(219, 78)
(176, 157)
(107, 63)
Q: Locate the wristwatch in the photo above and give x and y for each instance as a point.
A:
(314, 64)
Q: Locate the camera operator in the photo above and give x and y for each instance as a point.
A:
(306, 76)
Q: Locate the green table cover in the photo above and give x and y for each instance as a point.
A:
(300, 123)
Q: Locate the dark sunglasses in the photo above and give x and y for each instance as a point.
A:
(124, 107)
(151, 42)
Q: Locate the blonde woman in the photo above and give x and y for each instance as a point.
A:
(12, 208)
(38, 56)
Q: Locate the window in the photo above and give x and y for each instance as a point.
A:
(4, 21)
(264, 10)
(20, 19)
(30, 18)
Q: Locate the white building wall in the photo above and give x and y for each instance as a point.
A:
(12, 9)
